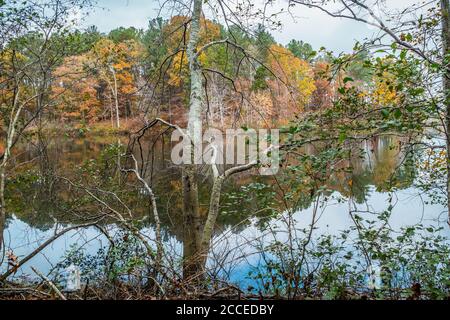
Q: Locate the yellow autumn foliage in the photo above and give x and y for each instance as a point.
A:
(384, 92)
(293, 72)
(177, 36)
(8, 62)
(108, 56)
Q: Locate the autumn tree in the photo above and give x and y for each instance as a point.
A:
(325, 91)
(293, 83)
(419, 31)
(115, 65)
(193, 37)
(178, 37)
(32, 45)
(76, 90)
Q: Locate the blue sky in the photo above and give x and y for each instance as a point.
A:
(309, 25)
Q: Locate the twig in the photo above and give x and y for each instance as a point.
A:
(50, 284)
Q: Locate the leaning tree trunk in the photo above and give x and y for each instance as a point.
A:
(214, 207)
(445, 7)
(192, 225)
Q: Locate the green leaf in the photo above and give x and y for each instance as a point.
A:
(385, 113)
(348, 79)
(403, 54)
(342, 136)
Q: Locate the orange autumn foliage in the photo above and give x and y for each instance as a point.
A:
(75, 90)
(325, 91)
(115, 63)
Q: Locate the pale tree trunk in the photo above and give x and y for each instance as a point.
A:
(214, 206)
(115, 95)
(192, 224)
(445, 7)
(2, 193)
(2, 187)
(2, 204)
(151, 194)
(196, 237)
(214, 203)
(111, 112)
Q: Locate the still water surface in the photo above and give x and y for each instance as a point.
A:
(34, 216)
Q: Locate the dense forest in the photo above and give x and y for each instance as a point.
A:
(93, 205)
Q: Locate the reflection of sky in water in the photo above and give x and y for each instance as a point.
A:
(409, 210)
(241, 247)
(23, 239)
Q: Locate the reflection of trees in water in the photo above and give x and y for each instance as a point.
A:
(381, 162)
(36, 195)
(38, 199)
(34, 202)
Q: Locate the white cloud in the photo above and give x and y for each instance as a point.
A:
(310, 25)
(122, 13)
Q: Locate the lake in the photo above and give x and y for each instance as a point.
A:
(38, 202)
